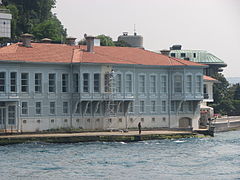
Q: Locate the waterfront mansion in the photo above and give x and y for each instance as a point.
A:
(49, 86)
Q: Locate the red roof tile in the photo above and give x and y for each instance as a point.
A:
(61, 53)
(208, 78)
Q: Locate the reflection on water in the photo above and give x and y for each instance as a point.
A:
(193, 158)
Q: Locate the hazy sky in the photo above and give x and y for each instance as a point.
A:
(212, 25)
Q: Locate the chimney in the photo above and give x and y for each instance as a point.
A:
(26, 40)
(70, 41)
(90, 43)
(165, 52)
(46, 40)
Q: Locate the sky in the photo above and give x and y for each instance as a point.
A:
(212, 25)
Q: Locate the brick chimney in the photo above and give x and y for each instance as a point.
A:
(70, 41)
(26, 39)
(90, 43)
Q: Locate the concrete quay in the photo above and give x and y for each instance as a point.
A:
(227, 123)
(130, 136)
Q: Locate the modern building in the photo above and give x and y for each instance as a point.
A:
(49, 86)
(199, 56)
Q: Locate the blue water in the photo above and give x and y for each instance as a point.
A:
(194, 158)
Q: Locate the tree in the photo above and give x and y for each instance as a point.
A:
(51, 28)
(105, 40)
(122, 44)
(29, 16)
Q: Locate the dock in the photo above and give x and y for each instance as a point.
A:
(130, 136)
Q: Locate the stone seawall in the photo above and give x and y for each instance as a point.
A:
(130, 136)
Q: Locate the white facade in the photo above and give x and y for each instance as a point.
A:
(5, 23)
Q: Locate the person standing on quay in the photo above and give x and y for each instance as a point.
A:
(139, 127)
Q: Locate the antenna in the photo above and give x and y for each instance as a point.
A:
(135, 33)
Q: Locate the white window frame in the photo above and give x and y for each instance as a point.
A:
(96, 83)
(163, 83)
(24, 108)
(189, 83)
(178, 83)
(118, 82)
(13, 82)
(38, 82)
(65, 107)
(75, 82)
(52, 109)
(141, 83)
(38, 108)
(65, 82)
(198, 83)
(153, 83)
(23, 85)
(164, 106)
(129, 83)
(52, 81)
(3, 82)
(86, 83)
(141, 106)
(153, 106)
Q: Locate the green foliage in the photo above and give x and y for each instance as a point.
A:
(226, 98)
(31, 16)
(105, 40)
(50, 28)
(122, 44)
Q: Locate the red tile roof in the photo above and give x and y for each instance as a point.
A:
(208, 78)
(61, 53)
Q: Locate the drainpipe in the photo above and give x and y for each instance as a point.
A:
(169, 96)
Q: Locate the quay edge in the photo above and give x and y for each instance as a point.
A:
(53, 138)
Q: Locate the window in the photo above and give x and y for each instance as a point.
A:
(189, 106)
(13, 82)
(38, 108)
(164, 107)
(96, 83)
(178, 83)
(52, 108)
(85, 82)
(24, 82)
(199, 84)
(118, 79)
(173, 107)
(194, 55)
(65, 107)
(153, 84)
(64, 82)
(141, 83)
(51, 82)
(183, 55)
(11, 114)
(24, 108)
(2, 81)
(142, 108)
(128, 83)
(38, 82)
(130, 107)
(164, 84)
(153, 106)
(189, 84)
(205, 88)
(75, 82)
(173, 55)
